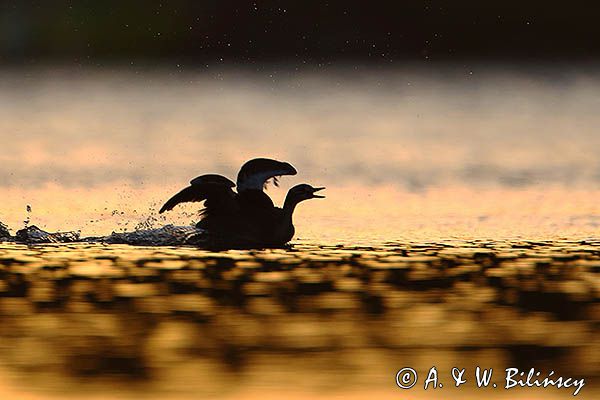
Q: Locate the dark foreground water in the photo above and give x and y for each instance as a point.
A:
(95, 320)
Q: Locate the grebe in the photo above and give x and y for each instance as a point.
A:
(249, 216)
(226, 211)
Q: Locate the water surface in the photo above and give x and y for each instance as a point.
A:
(177, 322)
(460, 229)
(424, 149)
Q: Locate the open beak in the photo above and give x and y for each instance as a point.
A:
(316, 196)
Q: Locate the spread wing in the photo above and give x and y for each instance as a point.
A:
(215, 190)
(212, 178)
(255, 173)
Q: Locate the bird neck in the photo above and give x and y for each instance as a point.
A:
(289, 205)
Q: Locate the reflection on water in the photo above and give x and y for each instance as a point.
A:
(97, 150)
(182, 322)
(79, 145)
(414, 127)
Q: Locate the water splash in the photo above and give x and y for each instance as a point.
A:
(4, 232)
(28, 218)
(168, 235)
(32, 235)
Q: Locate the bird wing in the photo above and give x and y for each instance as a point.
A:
(255, 174)
(215, 192)
(212, 178)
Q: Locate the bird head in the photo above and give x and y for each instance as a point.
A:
(304, 192)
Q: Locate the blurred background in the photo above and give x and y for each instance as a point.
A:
(419, 107)
(435, 126)
(393, 103)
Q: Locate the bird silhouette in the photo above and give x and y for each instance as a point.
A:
(248, 215)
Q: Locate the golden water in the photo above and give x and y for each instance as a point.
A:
(123, 321)
(460, 229)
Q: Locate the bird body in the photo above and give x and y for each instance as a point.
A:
(248, 217)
